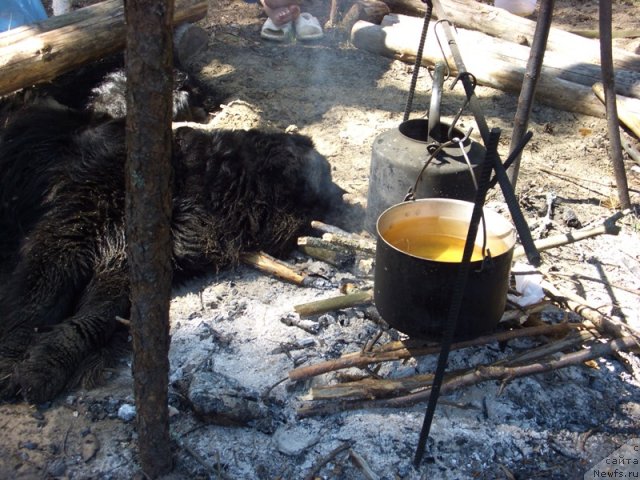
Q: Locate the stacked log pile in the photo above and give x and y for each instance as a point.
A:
(495, 47)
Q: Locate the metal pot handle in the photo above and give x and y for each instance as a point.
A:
(436, 100)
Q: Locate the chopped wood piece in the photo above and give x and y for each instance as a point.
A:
(326, 228)
(334, 303)
(268, 264)
(325, 251)
(354, 243)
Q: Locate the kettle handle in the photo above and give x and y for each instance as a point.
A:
(436, 99)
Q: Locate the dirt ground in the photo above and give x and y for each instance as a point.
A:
(232, 332)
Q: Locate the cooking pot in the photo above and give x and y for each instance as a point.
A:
(418, 255)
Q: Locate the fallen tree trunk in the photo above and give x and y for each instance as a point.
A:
(494, 72)
(42, 51)
(500, 23)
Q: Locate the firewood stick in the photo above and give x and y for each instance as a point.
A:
(267, 264)
(477, 375)
(362, 464)
(608, 226)
(334, 303)
(326, 459)
(603, 323)
(359, 359)
(326, 228)
(333, 15)
(359, 244)
(325, 251)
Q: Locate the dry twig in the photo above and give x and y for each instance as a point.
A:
(608, 226)
(326, 459)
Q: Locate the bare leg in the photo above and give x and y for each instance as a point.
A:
(281, 11)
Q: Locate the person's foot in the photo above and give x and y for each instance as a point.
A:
(281, 14)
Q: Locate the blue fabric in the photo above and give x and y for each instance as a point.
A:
(14, 13)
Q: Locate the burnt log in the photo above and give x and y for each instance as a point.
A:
(42, 51)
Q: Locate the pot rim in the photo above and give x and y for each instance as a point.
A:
(498, 227)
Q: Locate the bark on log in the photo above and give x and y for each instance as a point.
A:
(400, 43)
(500, 23)
(40, 52)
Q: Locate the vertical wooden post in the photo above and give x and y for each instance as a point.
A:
(530, 83)
(608, 84)
(148, 215)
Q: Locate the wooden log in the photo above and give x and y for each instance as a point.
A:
(325, 251)
(42, 51)
(628, 109)
(492, 71)
(558, 64)
(500, 23)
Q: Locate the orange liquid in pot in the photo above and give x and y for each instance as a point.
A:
(417, 237)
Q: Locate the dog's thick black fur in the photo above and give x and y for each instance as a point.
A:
(63, 265)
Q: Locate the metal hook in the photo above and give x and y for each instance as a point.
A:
(474, 84)
(461, 75)
(444, 56)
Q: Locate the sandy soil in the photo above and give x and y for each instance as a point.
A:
(230, 332)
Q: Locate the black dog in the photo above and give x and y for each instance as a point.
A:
(62, 236)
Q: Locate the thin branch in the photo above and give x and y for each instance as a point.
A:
(326, 459)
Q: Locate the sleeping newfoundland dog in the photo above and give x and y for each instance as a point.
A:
(63, 265)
